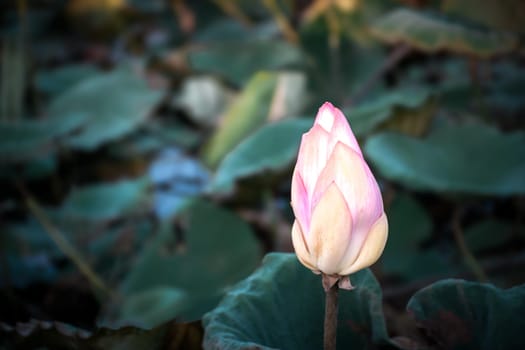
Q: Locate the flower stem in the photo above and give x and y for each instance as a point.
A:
(330, 318)
(65, 246)
(470, 259)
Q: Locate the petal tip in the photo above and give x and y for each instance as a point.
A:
(326, 116)
(327, 105)
(330, 116)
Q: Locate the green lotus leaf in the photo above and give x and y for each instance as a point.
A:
(469, 159)
(467, 315)
(281, 306)
(432, 33)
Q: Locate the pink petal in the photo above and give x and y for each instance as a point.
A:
(330, 229)
(325, 117)
(334, 122)
(300, 201)
(370, 250)
(341, 131)
(353, 177)
(312, 157)
(300, 247)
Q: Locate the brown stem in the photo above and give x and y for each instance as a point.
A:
(469, 258)
(330, 318)
(64, 245)
(282, 21)
(233, 10)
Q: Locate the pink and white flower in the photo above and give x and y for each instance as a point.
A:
(340, 225)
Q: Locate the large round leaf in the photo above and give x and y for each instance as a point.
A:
(465, 315)
(431, 33)
(60, 79)
(473, 159)
(29, 139)
(116, 103)
(369, 115)
(154, 306)
(273, 147)
(502, 14)
(217, 250)
(105, 201)
(281, 306)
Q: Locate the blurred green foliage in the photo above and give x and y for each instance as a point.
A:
(146, 150)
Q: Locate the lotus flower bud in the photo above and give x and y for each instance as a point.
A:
(340, 226)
